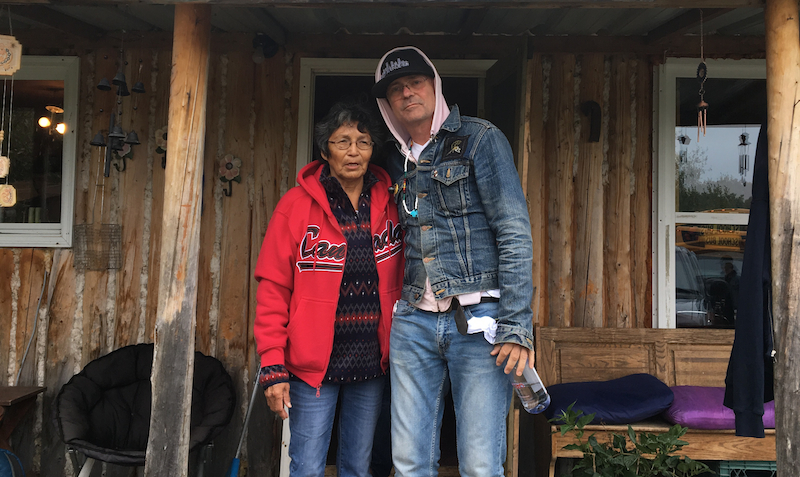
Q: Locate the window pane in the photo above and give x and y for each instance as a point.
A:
(34, 148)
(715, 170)
(708, 262)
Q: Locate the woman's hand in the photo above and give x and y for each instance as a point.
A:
(278, 396)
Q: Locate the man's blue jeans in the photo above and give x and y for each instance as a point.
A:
(428, 355)
(311, 423)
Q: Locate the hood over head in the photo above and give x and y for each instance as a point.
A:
(407, 61)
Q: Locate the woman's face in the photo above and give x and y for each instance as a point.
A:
(349, 165)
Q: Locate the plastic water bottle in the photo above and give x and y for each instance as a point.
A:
(530, 390)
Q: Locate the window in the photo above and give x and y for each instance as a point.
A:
(703, 188)
(42, 158)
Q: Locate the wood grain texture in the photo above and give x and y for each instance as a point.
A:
(783, 97)
(6, 305)
(559, 141)
(597, 354)
(59, 358)
(208, 278)
(161, 97)
(268, 96)
(617, 267)
(32, 268)
(589, 204)
(235, 241)
(676, 356)
(97, 209)
(132, 188)
(642, 198)
(702, 444)
(536, 191)
(234, 273)
(173, 359)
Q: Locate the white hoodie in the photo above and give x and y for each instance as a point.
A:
(440, 113)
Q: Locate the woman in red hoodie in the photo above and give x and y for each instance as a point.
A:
(329, 272)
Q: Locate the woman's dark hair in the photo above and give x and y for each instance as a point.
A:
(348, 112)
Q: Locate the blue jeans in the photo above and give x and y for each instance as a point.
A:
(311, 423)
(427, 355)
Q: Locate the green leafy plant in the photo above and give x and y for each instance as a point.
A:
(627, 455)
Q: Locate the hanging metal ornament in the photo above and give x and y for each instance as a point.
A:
(702, 75)
(744, 156)
(684, 141)
(117, 142)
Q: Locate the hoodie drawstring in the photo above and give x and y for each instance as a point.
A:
(412, 213)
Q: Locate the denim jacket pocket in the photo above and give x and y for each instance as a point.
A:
(451, 183)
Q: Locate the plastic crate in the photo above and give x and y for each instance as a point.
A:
(741, 468)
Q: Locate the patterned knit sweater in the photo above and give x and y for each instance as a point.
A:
(356, 354)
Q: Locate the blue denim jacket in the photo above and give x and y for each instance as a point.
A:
(472, 231)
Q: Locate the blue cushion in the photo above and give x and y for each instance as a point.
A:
(619, 401)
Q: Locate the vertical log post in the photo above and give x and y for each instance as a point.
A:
(783, 95)
(173, 362)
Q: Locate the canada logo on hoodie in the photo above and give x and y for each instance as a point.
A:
(324, 256)
(388, 243)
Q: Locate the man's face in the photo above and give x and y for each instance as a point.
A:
(412, 99)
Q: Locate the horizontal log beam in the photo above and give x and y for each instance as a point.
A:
(436, 3)
(373, 46)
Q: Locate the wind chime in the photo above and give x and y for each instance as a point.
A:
(10, 54)
(683, 141)
(702, 74)
(744, 156)
(117, 143)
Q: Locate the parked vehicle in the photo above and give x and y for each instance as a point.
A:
(706, 288)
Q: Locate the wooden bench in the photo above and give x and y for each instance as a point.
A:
(678, 357)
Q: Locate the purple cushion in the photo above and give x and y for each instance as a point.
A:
(700, 407)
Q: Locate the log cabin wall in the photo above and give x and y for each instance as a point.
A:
(84, 315)
(590, 202)
(590, 207)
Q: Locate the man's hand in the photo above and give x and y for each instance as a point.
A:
(514, 355)
(278, 395)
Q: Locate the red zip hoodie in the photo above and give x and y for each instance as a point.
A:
(299, 272)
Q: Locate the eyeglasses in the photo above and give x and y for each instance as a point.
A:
(414, 84)
(344, 144)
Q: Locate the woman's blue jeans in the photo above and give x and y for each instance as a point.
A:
(311, 423)
(428, 355)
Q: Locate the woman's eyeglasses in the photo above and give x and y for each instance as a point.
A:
(344, 144)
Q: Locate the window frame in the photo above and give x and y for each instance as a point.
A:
(52, 235)
(664, 215)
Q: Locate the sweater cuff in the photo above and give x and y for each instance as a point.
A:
(274, 374)
(749, 424)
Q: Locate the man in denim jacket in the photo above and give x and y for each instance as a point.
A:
(465, 317)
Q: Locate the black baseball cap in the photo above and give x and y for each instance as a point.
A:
(399, 63)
